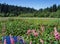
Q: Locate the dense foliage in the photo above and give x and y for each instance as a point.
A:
(11, 10)
(52, 11)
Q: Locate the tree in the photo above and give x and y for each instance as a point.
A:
(53, 8)
(58, 7)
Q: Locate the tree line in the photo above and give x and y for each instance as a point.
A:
(53, 11)
(12, 10)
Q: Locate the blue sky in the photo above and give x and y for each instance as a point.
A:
(37, 4)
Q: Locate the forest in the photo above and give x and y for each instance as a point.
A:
(14, 11)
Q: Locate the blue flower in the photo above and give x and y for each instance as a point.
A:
(21, 41)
